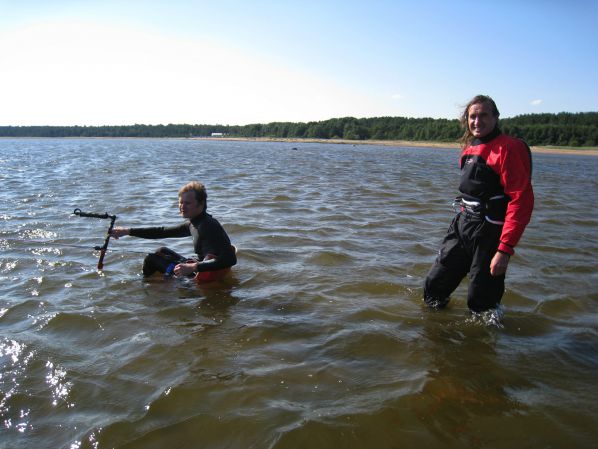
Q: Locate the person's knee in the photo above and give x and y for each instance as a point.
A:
(149, 267)
(163, 251)
(153, 263)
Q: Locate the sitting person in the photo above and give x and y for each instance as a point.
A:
(210, 242)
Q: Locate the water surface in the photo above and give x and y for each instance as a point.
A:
(319, 339)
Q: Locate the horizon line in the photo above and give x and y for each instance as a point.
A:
(306, 122)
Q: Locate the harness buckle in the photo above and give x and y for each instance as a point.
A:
(472, 208)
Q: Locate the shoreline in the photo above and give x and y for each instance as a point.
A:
(584, 151)
(592, 151)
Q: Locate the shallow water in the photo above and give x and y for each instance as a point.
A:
(319, 338)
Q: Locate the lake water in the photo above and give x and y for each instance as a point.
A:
(319, 338)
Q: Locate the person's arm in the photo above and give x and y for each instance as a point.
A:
(160, 232)
(119, 232)
(216, 247)
(191, 267)
(516, 180)
(515, 176)
(499, 263)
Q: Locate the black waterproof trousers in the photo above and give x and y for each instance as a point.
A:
(161, 260)
(469, 246)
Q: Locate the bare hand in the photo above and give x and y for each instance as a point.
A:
(498, 264)
(185, 269)
(119, 232)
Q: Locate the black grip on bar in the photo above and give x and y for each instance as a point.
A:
(92, 214)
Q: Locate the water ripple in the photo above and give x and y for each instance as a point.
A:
(319, 338)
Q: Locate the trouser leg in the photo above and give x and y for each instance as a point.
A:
(450, 267)
(485, 291)
(160, 260)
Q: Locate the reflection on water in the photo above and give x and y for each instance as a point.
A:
(465, 398)
(319, 338)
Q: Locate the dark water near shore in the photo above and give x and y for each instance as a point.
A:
(319, 339)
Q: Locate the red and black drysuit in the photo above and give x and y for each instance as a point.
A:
(496, 205)
(210, 242)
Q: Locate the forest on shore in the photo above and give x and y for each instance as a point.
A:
(562, 129)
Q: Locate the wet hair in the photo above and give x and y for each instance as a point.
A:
(198, 188)
(467, 137)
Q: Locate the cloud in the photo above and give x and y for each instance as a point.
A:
(397, 97)
(536, 102)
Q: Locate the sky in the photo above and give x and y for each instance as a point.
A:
(231, 62)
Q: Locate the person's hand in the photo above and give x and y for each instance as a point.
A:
(119, 232)
(498, 264)
(185, 269)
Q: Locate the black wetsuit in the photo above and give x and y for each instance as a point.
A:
(496, 206)
(209, 241)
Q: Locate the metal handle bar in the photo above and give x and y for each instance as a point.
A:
(93, 214)
(104, 247)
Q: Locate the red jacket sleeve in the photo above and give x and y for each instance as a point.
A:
(515, 176)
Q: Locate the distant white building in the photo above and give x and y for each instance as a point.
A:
(217, 134)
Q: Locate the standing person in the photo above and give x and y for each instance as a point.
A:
(210, 241)
(495, 207)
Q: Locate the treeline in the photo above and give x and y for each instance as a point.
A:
(563, 129)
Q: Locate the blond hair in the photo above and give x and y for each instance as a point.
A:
(198, 188)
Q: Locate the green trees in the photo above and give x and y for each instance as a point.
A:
(562, 129)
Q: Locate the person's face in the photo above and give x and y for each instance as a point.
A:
(188, 205)
(481, 120)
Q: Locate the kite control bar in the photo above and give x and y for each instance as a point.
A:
(102, 249)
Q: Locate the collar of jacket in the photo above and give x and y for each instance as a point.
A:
(487, 138)
(200, 217)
